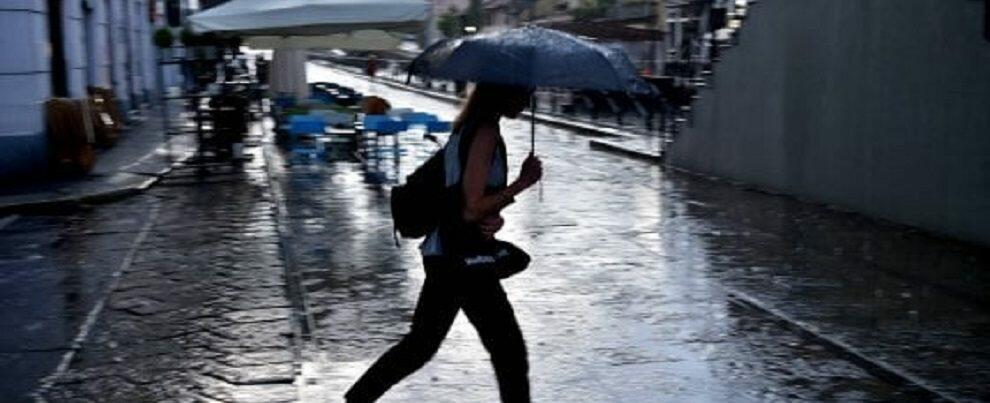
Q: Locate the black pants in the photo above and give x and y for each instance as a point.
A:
(447, 290)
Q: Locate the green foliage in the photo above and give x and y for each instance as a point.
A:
(187, 37)
(450, 23)
(591, 9)
(163, 38)
(474, 16)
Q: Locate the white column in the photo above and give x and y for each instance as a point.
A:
(148, 52)
(136, 53)
(25, 84)
(101, 40)
(118, 43)
(74, 47)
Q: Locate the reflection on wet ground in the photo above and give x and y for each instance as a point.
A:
(627, 297)
(52, 270)
(632, 295)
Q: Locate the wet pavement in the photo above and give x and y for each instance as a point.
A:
(140, 154)
(279, 280)
(633, 260)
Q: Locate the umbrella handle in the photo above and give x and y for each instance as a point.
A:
(532, 125)
(532, 135)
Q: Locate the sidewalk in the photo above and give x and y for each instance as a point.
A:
(140, 157)
(177, 293)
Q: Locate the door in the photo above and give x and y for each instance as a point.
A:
(56, 43)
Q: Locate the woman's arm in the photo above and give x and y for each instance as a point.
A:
(478, 205)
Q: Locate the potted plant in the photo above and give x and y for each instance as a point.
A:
(163, 38)
(188, 37)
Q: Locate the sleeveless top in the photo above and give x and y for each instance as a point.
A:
(497, 178)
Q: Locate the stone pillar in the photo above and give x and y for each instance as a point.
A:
(101, 43)
(75, 47)
(118, 49)
(25, 84)
(135, 14)
(148, 50)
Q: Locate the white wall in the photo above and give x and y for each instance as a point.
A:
(879, 106)
(24, 85)
(118, 41)
(25, 76)
(101, 14)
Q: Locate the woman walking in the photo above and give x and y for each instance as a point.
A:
(474, 158)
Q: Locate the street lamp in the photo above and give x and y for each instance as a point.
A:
(470, 29)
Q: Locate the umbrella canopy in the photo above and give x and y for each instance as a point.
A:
(366, 39)
(531, 57)
(311, 17)
(606, 30)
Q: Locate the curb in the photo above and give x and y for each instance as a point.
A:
(619, 149)
(874, 367)
(79, 200)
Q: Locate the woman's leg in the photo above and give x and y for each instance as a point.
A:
(435, 312)
(488, 309)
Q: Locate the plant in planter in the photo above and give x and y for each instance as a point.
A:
(163, 38)
(188, 37)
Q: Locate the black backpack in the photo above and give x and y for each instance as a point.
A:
(419, 206)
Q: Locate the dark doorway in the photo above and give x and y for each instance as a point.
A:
(60, 85)
(986, 19)
(89, 37)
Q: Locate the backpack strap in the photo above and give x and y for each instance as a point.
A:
(467, 133)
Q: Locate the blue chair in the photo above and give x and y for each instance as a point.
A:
(306, 124)
(284, 102)
(438, 127)
(370, 122)
(322, 97)
(391, 127)
(383, 124)
(305, 132)
(419, 117)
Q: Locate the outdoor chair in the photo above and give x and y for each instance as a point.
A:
(334, 118)
(383, 124)
(418, 118)
(304, 135)
(398, 112)
(438, 127)
(284, 101)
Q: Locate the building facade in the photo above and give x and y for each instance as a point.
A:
(879, 107)
(56, 48)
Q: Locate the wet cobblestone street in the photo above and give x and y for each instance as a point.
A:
(199, 311)
(280, 281)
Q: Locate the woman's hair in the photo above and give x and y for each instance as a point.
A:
(487, 101)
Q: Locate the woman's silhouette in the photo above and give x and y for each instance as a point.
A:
(476, 143)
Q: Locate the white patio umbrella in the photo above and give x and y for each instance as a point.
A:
(291, 26)
(365, 39)
(311, 17)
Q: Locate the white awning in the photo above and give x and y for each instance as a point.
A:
(366, 39)
(311, 17)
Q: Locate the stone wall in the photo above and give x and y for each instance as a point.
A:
(117, 28)
(880, 107)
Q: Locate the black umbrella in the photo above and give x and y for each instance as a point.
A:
(531, 57)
